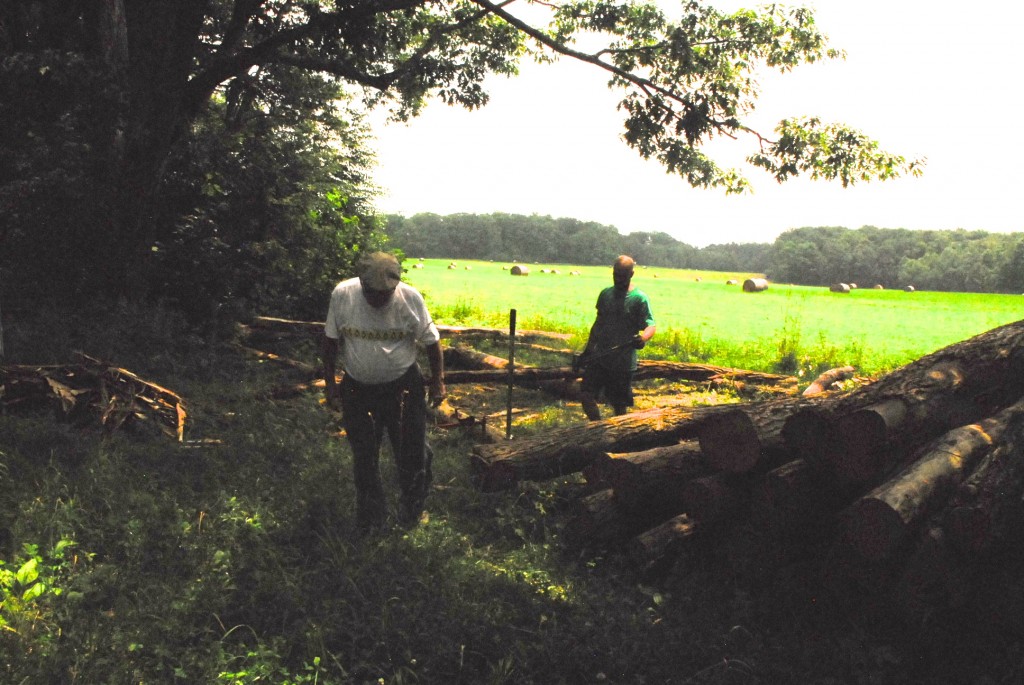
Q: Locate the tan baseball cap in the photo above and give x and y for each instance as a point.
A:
(379, 271)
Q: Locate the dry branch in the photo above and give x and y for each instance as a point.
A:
(96, 390)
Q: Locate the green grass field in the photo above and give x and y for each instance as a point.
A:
(787, 327)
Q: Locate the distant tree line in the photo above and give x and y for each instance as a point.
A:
(947, 260)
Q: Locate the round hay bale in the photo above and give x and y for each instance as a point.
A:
(879, 286)
(853, 286)
(908, 289)
(417, 266)
(755, 285)
(731, 281)
(545, 271)
(697, 279)
(467, 267)
(839, 288)
(520, 270)
(451, 266)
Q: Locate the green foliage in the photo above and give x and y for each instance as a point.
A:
(238, 563)
(268, 205)
(795, 328)
(191, 150)
(957, 261)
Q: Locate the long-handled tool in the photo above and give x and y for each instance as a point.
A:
(581, 360)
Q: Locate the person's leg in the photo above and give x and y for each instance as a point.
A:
(364, 439)
(590, 387)
(413, 456)
(619, 391)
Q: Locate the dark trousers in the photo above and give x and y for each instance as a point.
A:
(398, 408)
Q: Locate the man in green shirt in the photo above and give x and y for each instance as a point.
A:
(624, 324)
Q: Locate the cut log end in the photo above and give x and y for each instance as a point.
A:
(874, 529)
(729, 442)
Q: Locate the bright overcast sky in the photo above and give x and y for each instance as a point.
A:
(926, 78)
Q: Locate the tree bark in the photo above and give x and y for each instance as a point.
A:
(657, 547)
(827, 379)
(568, 450)
(650, 478)
(317, 327)
(601, 521)
(713, 499)
(954, 386)
(987, 510)
(749, 436)
(878, 523)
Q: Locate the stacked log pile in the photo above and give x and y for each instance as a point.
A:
(906, 484)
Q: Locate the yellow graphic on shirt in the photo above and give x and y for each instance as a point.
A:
(369, 334)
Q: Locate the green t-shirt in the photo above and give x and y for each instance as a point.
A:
(620, 316)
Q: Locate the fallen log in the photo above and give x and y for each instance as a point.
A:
(951, 387)
(933, 577)
(825, 381)
(794, 505)
(649, 478)
(485, 368)
(987, 511)
(713, 499)
(278, 359)
(879, 522)
(317, 328)
(600, 521)
(569, 450)
(749, 436)
(655, 548)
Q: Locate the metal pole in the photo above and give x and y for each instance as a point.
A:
(511, 370)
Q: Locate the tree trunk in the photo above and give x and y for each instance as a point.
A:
(713, 499)
(749, 436)
(878, 523)
(952, 387)
(987, 511)
(568, 450)
(933, 576)
(827, 379)
(316, 327)
(794, 505)
(600, 521)
(655, 548)
(652, 477)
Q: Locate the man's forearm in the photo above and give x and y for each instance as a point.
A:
(328, 355)
(435, 357)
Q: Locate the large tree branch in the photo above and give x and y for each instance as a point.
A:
(647, 86)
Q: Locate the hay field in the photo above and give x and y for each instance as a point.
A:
(711, 321)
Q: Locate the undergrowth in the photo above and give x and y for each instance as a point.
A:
(132, 559)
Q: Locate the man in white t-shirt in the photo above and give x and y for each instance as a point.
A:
(378, 325)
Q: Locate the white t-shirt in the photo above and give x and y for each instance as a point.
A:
(378, 345)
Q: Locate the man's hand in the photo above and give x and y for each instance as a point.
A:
(332, 391)
(437, 391)
(638, 342)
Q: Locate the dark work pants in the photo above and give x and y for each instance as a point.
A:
(398, 408)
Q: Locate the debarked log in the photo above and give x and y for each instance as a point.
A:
(878, 523)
